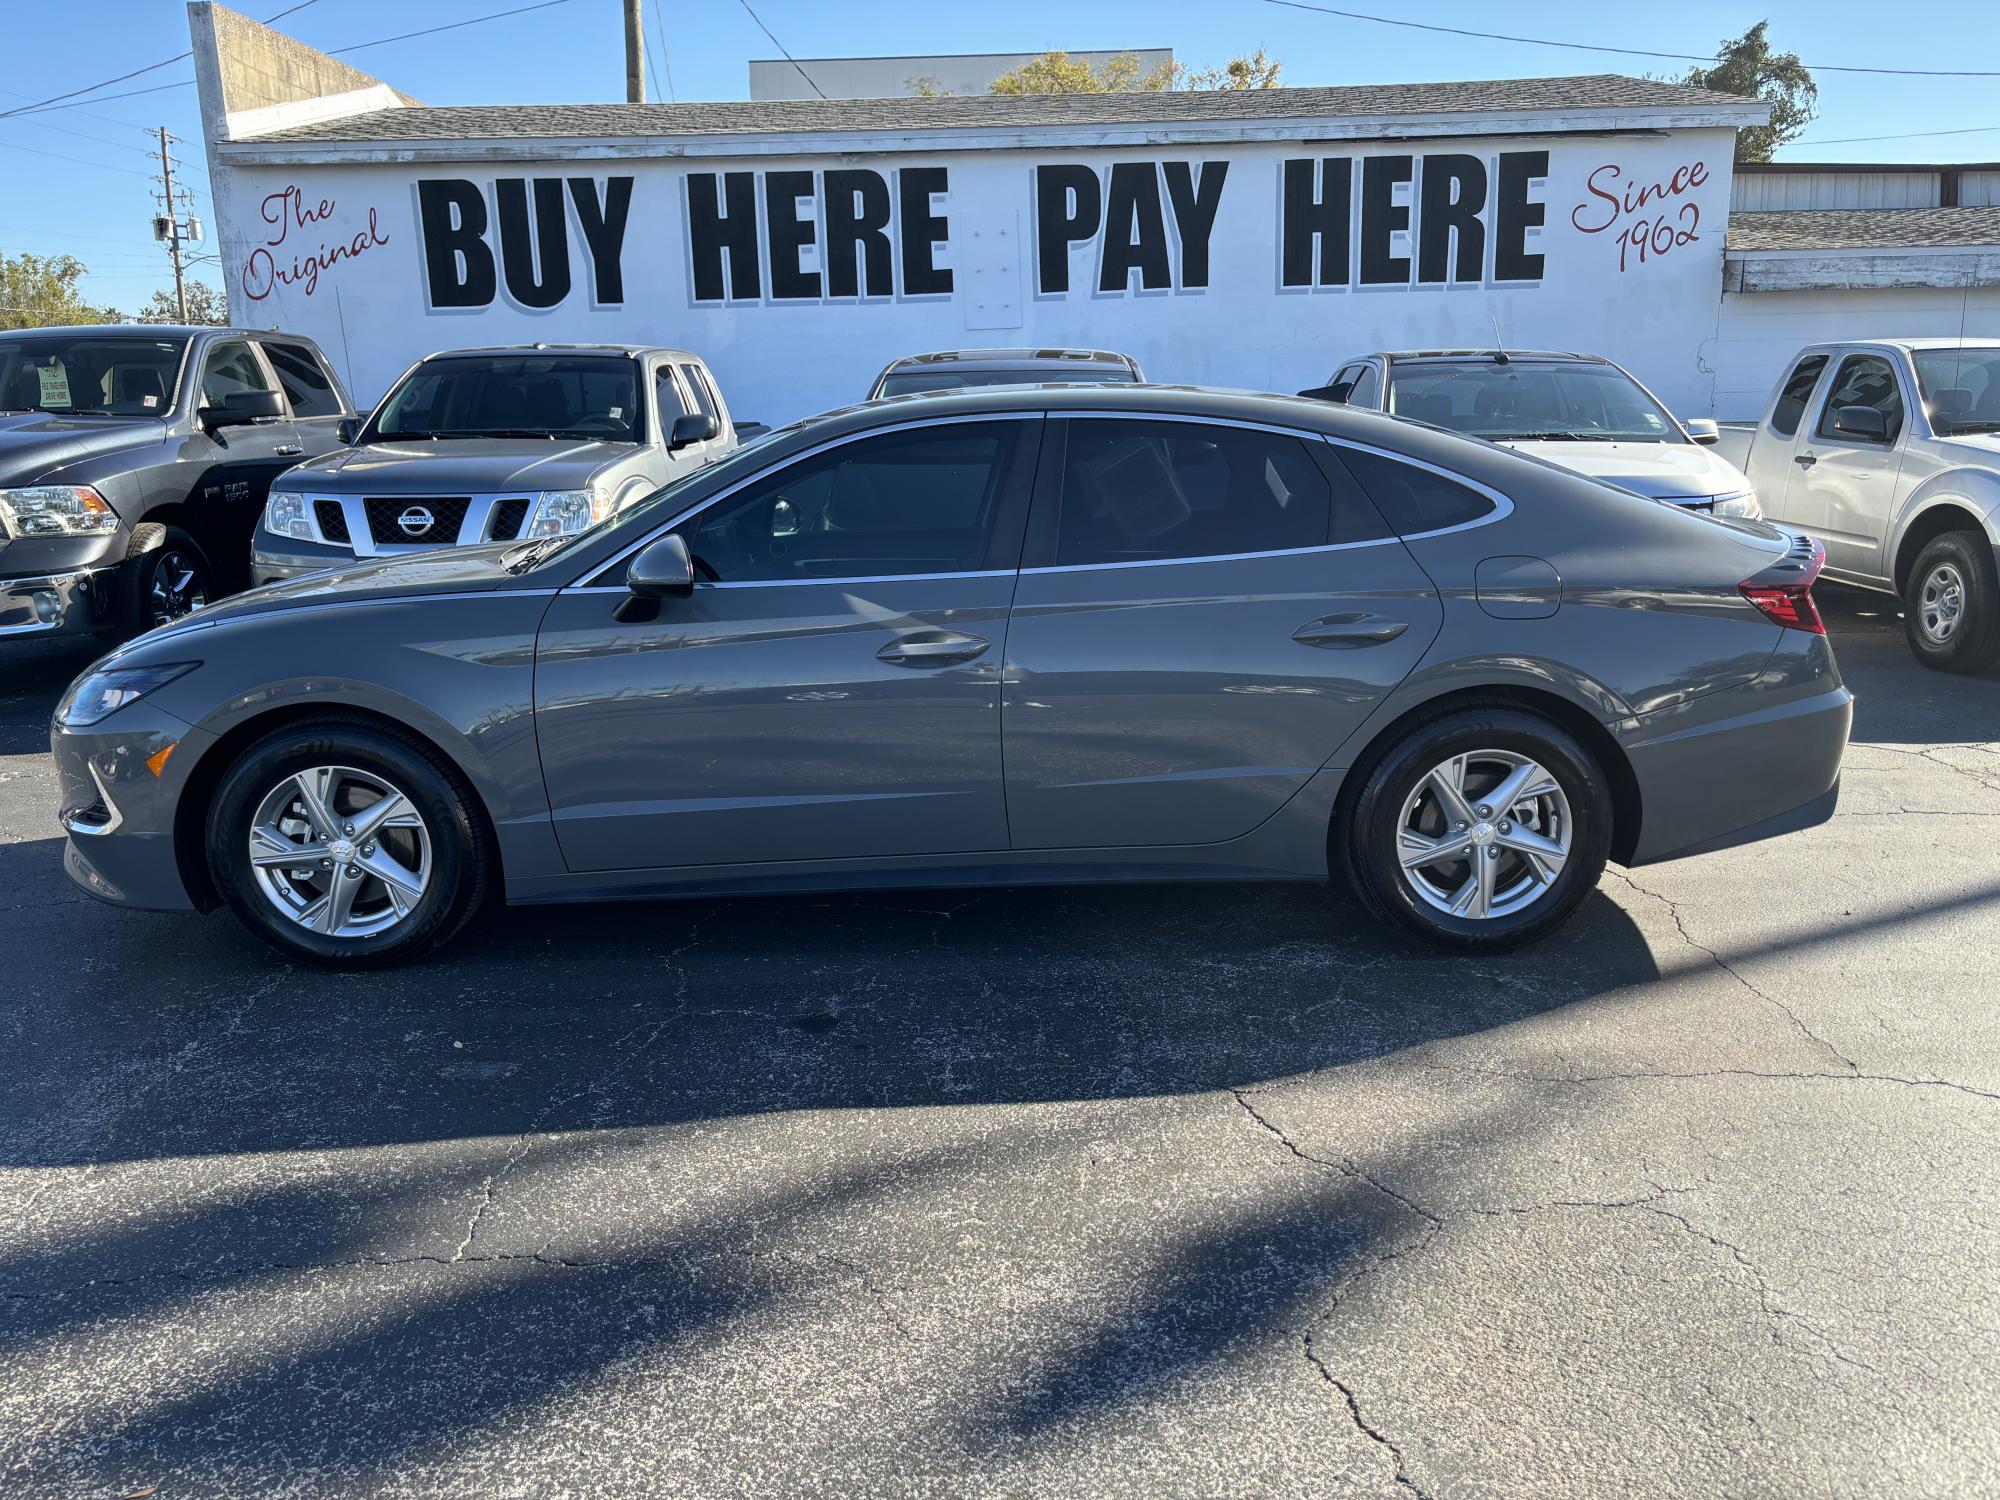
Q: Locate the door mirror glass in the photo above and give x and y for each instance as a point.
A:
(1702, 430)
(695, 427)
(241, 408)
(661, 569)
(1864, 422)
(347, 429)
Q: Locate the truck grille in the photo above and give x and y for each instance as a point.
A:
(508, 518)
(332, 520)
(440, 518)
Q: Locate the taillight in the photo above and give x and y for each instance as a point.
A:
(1783, 591)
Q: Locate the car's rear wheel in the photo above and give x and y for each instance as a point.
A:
(166, 577)
(1478, 830)
(347, 845)
(1951, 604)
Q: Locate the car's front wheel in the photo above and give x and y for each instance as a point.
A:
(1951, 604)
(347, 845)
(1479, 830)
(166, 577)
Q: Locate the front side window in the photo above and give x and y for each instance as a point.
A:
(1527, 401)
(232, 370)
(85, 373)
(1961, 388)
(1863, 380)
(307, 385)
(533, 396)
(672, 404)
(918, 501)
(1790, 407)
(1142, 491)
(698, 389)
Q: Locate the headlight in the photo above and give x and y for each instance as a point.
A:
(1742, 504)
(286, 515)
(96, 695)
(561, 512)
(57, 510)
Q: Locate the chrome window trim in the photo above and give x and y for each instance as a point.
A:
(1212, 557)
(799, 583)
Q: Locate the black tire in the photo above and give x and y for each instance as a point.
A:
(1366, 834)
(461, 862)
(165, 577)
(1970, 641)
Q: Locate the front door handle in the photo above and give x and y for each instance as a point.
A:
(1347, 631)
(288, 450)
(932, 648)
(1805, 460)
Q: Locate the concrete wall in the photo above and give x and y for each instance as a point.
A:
(1757, 333)
(888, 77)
(259, 67)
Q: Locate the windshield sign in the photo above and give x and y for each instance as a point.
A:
(1961, 388)
(540, 396)
(1523, 401)
(90, 374)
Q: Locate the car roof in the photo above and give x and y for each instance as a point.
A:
(1000, 359)
(629, 351)
(158, 330)
(1507, 356)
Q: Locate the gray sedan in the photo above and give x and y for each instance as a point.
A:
(1008, 636)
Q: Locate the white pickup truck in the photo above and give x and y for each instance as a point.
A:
(1888, 451)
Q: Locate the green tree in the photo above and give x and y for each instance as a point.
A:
(205, 305)
(1253, 72)
(1061, 73)
(1747, 65)
(41, 291)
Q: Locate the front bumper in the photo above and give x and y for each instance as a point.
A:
(58, 603)
(118, 803)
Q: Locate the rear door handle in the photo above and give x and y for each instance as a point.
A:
(1805, 460)
(288, 450)
(1347, 631)
(932, 648)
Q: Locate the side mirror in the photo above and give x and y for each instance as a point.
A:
(660, 571)
(346, 430)
(1337, 394)
(243, 408)
(692, 428)
(1864, 422)
(1703, 430)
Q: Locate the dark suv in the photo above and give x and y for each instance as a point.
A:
(135, 461)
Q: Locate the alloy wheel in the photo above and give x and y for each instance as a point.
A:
(1484, 834)
(178, 588)
(1941, 603)
(341, 852)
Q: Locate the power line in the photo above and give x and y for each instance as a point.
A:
(781, 47)
(1906, 135)
(646, 50)
(454, 26)
(81, 161)
(666, 64)
(1538, 41)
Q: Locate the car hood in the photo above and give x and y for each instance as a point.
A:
(34, 442)
(1982, 448)
(465, 466)
(1663, 471)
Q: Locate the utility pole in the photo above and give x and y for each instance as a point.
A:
(173, 224)
(635, 63)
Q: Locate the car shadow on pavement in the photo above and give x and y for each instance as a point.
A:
(1896, 699)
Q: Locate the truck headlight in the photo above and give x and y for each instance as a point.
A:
(562, 512)
(287, 515)
(57, 510)
(97, 695)
(1742, 504)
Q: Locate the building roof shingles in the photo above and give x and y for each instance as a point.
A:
(1864, 228)
(1606, 91)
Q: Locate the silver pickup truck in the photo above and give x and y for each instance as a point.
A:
(1888, 451)
(494, 445)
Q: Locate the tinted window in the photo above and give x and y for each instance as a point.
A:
(516, 396)
(1791, 403)
(1140, 491)
(1864, 380)
(306, 383)
(919, 501)
(231, 370)
(63, 371)
(671, 403)
(1365, 389)
(1526, 400)
(1412, 499)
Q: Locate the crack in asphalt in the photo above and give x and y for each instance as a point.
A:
(1404, 1479)
(1680, 924)
(487, 1189)
(1641, 1076)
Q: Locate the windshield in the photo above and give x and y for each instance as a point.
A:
(910, 382)
(1522, 401)
(531, 395)
(90, 373)
(1961, 388)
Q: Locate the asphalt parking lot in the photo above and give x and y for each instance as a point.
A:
(1133, 1191)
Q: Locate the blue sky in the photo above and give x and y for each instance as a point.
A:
(97, 205)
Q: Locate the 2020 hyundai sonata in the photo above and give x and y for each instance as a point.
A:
(1009, 636)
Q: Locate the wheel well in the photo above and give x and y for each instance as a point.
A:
(1593, 736)
(191, 812)
(229, 556)
(1926, 529)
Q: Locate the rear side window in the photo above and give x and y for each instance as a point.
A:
(1791, 404)
(1366, 389)
(1864, 380)
(1413, 499)
(307, 385)
(1137, 491)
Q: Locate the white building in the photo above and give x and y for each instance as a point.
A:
(886, 77)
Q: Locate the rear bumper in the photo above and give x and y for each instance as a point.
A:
(58, 603)
(1769, 770)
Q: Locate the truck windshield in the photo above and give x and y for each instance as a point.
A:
(88, 372)
(509, 395)
(1961, 388)
(910, 382)
(1524, 400)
